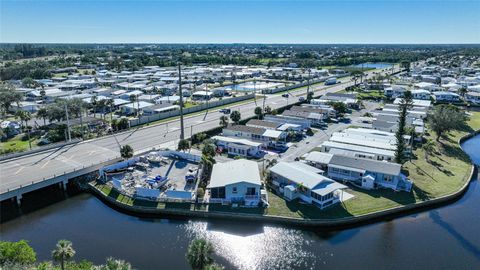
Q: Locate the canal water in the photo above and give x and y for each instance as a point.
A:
(443, 238)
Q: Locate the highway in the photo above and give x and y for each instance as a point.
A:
(35, 167)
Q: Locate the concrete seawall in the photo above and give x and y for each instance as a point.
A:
(340, 222)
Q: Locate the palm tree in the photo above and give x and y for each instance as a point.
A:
(462, 91)
(24, 116)
(429, 148)
(199, 254)
(126, 151)
(93, 100)
(183, 145)
(43, 113)
(224, 120)
(235, 116)
(133, 98)
(111, 103)
(115, 264)
(63, 251)
(258, 112)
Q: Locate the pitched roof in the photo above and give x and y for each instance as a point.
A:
(249, 129)
(366, 164)
(300, 173)
(262, 123)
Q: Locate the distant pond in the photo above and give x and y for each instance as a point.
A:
(376, 65)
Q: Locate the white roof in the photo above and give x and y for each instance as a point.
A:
(272, 133)
(233, 172)
(319, 157)
(140, 104)
(358, 148)
(305, 175)
(416, 102)
(236, 140)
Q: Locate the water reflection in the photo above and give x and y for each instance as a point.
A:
(256, 247)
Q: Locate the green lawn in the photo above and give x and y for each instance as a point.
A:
(445, 173)
(16, 144)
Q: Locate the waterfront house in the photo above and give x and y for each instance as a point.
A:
(297, 180)
(367, 173)
(236, 181)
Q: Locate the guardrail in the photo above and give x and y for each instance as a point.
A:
(61, 175)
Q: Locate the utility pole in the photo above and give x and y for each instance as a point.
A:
(182, 134)
(68, 122)
(308, 87)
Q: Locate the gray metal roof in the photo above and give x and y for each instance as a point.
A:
(235, 171)
(263, 123)
(300, 173)
(366, 164)
(249, 129)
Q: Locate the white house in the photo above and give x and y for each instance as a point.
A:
(368, 174)
(297, 180)
(421, 94)
(236, 181)
(473, 97)
(238, 146)
(443, 96)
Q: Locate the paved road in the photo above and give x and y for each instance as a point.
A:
(23, 170)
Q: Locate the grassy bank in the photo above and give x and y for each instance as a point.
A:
(444, 173)
(16, 144)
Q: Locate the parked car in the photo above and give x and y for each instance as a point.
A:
(225, 111)
(285, 95)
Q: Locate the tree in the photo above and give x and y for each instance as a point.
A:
(224, 120)
(42, 113)
(268, 110)
(405, 104)
(235, 116)
(8, 96)
(339, 107)
(126, 151)
(428, 148)
(462, 91)
(444, 118)
(24, 116)
(93, 101)
(16, 253)
(183, 145)
(214, 266)
(115, 264)
(309, 96)
(133, 98)
(405, 65)
(29, 82)
(199, 254)
(208, 149)
(63, 252)
(110, 103)
(258, 112)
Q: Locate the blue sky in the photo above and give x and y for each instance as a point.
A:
(108, 21)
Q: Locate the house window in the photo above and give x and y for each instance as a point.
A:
(251, 191)
(234, 190)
